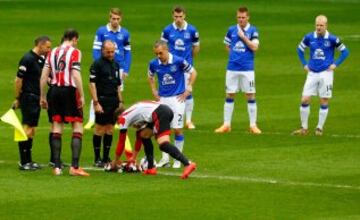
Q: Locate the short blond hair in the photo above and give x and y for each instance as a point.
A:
(321, 18)
(115, 11)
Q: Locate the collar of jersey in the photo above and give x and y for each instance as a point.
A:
(246, 27)
(326, 36)
(183, 28)
(170, 60)
(109, 29)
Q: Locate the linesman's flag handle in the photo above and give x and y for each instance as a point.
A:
(10, 118)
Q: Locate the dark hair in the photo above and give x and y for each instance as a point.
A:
(41, 40)
(179, 9)
(69, 34)
(243, 9)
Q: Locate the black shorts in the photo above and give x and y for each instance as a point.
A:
(109, 105)
(162, 117)
(65, 105)
(30, 109)
(48, 99)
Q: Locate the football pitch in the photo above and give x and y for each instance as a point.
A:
(240, 176)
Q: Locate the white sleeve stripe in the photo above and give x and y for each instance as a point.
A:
(97, 43)
(302, 49)
(150, 73)
(341, 47)
(303, 45)
(163, 39)
(96, 47)
(189, 71)
(196, 43)
(128, 47)
(227, 43)
(256, 41)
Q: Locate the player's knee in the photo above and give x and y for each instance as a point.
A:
(230, 95)
(305, 100)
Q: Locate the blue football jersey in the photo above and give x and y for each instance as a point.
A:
(241, 57)
(181, 41)
(171, 77)
(322, 49)
(121, 38)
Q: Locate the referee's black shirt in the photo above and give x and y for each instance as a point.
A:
(106, 76)
(30, 67)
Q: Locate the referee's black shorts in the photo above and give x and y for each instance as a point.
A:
(30, 109)
(109, 105)
(65, 104)
(162, 117)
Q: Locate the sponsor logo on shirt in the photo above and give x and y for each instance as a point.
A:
(179, 45)
(167, 80)
(319, 54)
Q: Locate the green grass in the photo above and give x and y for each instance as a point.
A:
(239, 176)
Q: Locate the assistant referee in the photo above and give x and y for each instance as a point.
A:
(27, 96)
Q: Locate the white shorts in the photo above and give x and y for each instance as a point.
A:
(240, 81)
(320, 84)
(178, 108)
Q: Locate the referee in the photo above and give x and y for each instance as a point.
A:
(105, 82)
(27, 96)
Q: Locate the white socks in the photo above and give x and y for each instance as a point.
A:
(189, 106)
(323, 112)
(228, 111)
(304, 115)
(252, 110)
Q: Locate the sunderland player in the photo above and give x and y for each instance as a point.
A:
(183, 41)
(27, 96)
(121, 37)
(105, 91)
(67, 98)
(320, 71)
(242, 41)
(159, 118)
(172, 89)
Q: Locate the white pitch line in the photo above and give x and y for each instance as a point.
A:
(279, 133)
(267, 181)
(244, 179)
(235, 132)
(254, 180)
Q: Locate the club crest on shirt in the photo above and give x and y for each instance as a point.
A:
(187, 35)
(327, 43)
(173, 68)
(120, 37)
